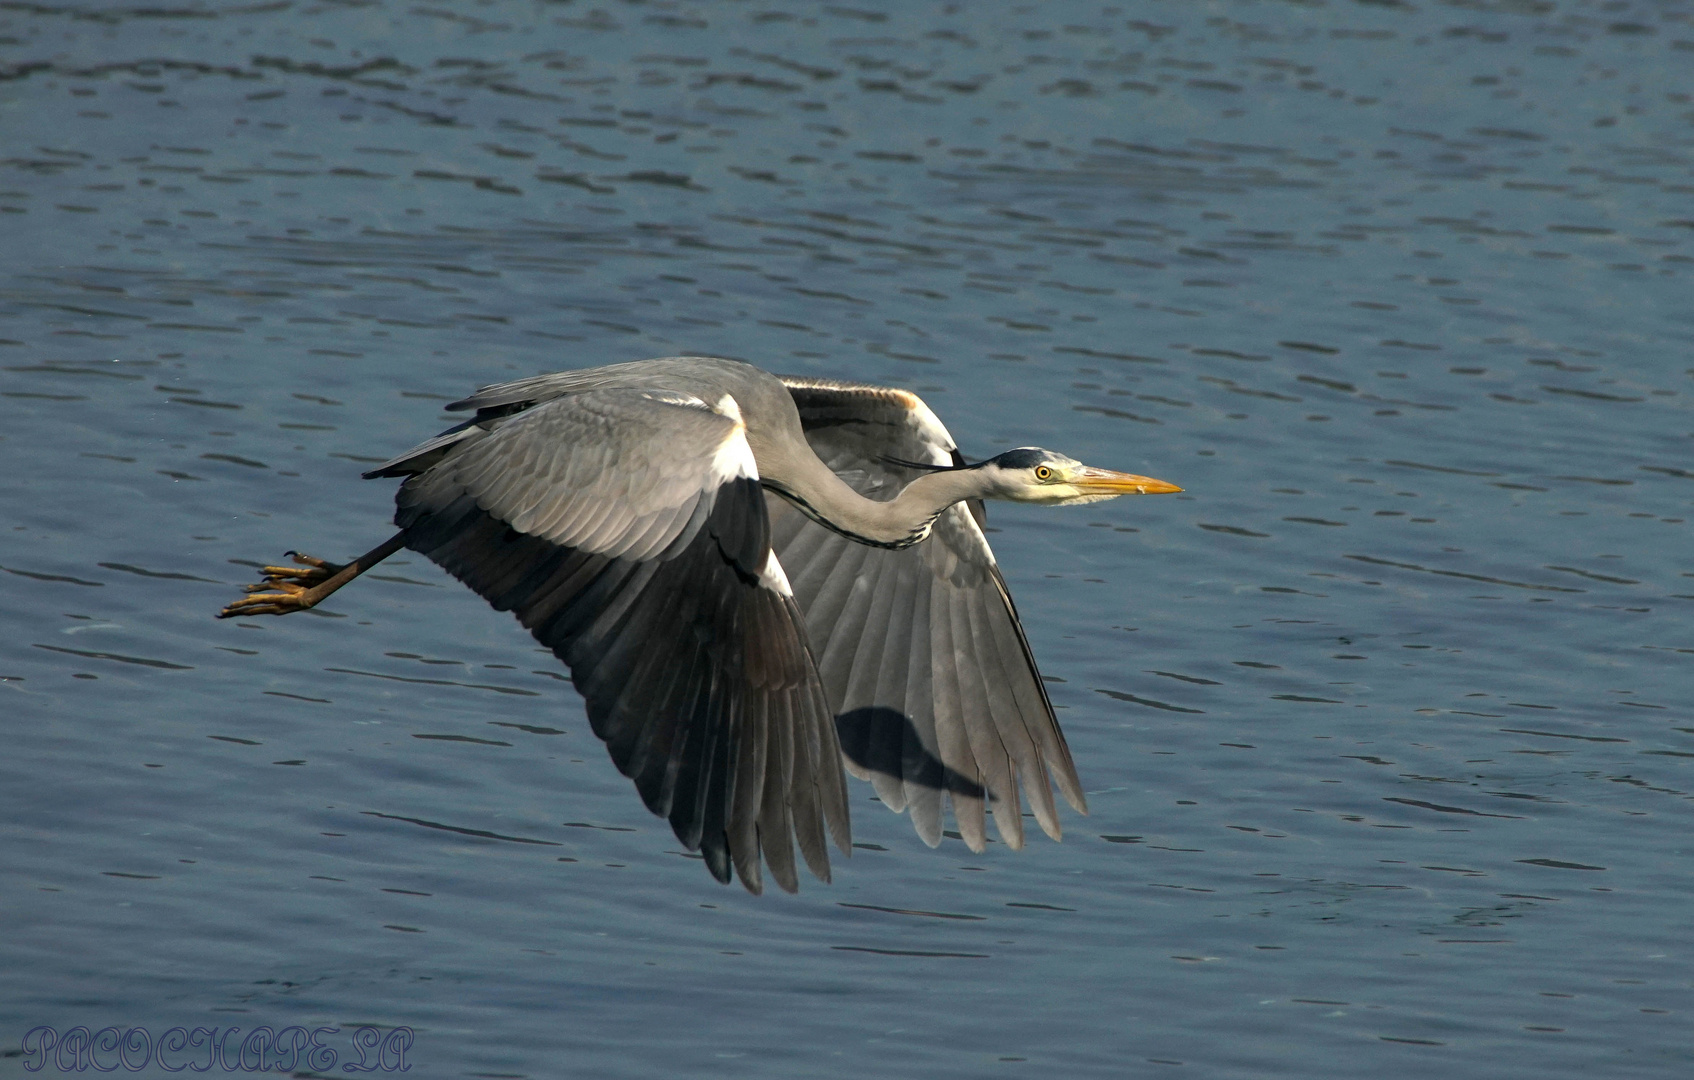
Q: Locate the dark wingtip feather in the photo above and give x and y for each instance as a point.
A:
(716, 853)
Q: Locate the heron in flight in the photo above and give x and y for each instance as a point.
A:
(735, 650)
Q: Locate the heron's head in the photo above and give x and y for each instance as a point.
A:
(1031, 474)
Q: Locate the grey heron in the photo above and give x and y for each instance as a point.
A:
(735, 651)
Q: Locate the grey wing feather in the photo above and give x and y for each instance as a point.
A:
(620, 473)
(660, 374)
(427, 453)
(499, 401)
(920, 649)
(627, 530)
(554, 384)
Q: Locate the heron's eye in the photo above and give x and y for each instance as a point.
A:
(1043, 473)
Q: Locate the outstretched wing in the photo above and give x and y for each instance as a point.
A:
(920, 649)
(627, 531)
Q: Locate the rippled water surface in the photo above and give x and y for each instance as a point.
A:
(1385, 722)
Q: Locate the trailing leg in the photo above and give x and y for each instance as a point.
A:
(296, 588)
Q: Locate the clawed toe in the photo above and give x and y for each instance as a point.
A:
(309, 570)
(284, 588)
(263, 603)
(308, 560)
(280, 577)
(274, 583)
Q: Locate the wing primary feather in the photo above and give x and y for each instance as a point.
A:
(837, 611)
(933, 705)
(849, 672)
(776, 822)
(656, 685)
(831, 779)
(1033, 697)
(986, 745)
(1009, 719)
(748, 790)
(653, 738)
(720, 796)
(899, 721)
(946, 703)
(691, 753)
(686, 771)
(804, 795)
(922, 770)
(698, 810)
(865, 650)
(922, 791)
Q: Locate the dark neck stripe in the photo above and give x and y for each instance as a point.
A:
(916, 537)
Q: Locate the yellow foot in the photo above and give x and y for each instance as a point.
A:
(285, 588)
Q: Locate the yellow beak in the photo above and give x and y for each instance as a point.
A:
(1092, 481)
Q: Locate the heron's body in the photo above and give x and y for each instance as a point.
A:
(733, 647)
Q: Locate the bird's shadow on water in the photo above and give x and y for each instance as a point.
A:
(885, 741)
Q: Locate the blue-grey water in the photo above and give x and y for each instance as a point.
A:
(1385, 722)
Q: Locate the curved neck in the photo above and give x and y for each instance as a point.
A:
(900, 522)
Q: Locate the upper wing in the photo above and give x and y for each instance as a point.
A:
(627, 531)
(920, 648)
